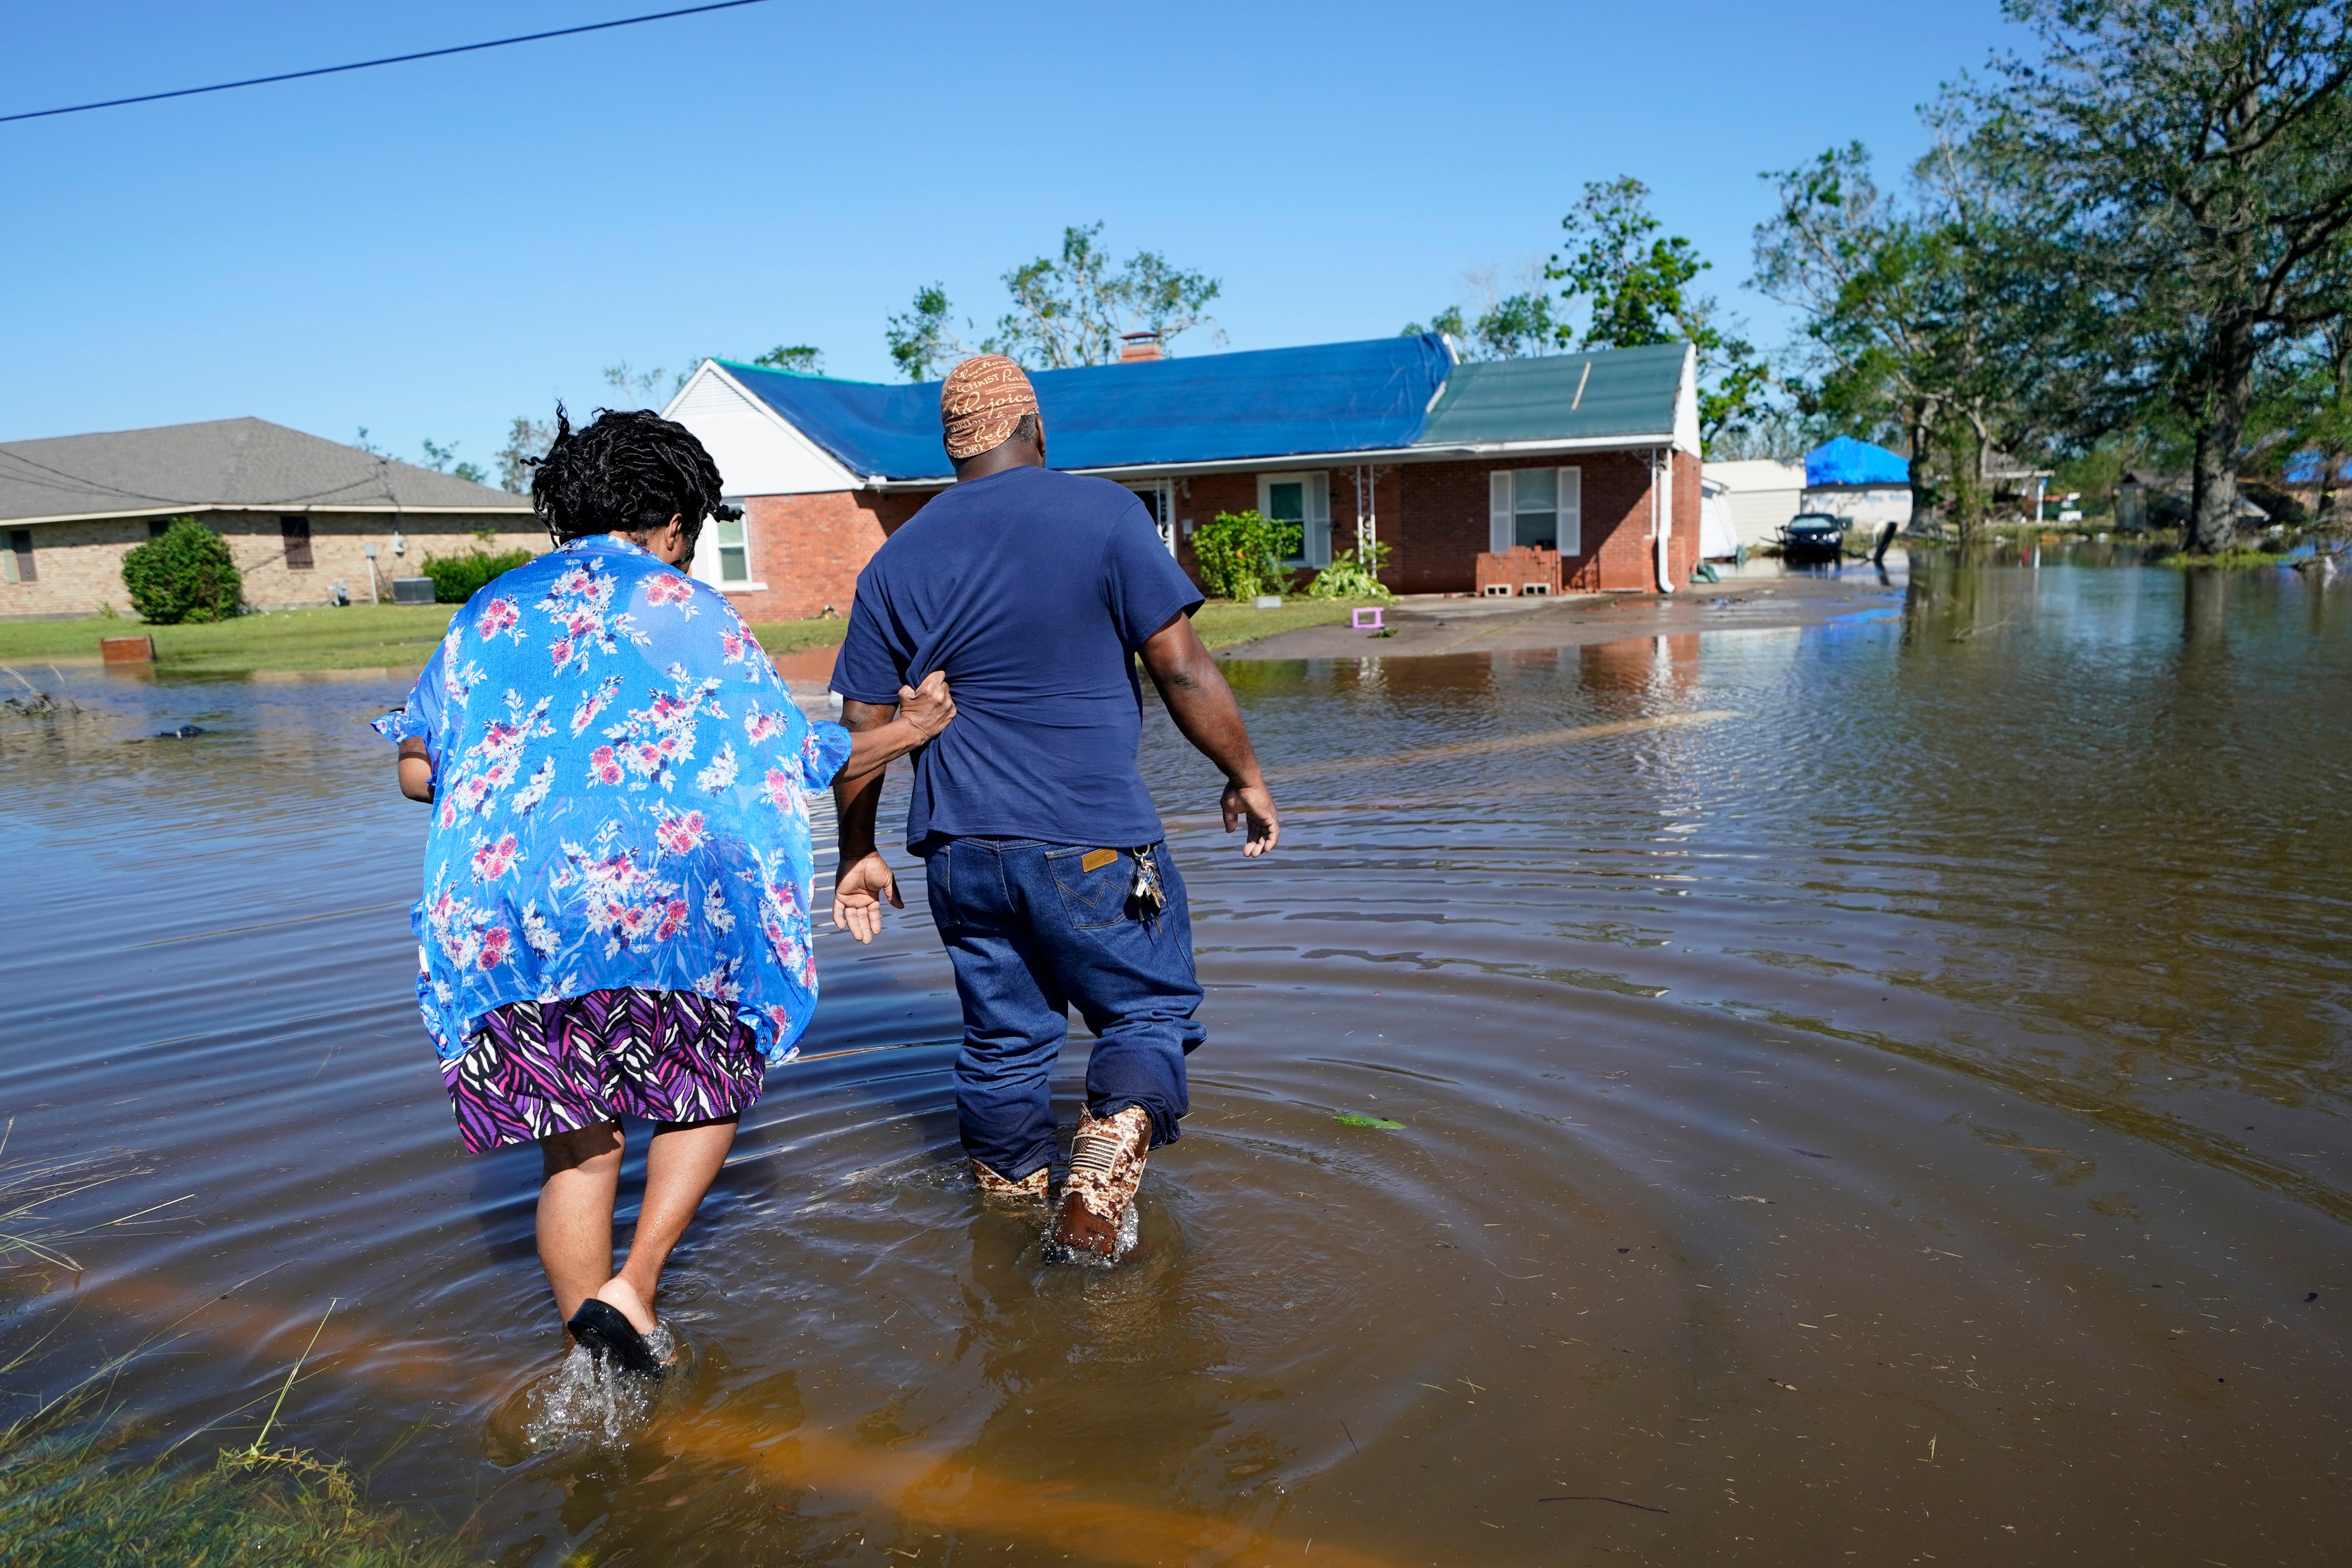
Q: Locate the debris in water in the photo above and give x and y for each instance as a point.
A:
(1350, 1119)
(185, 732)
(1808, 1154)
(1588, 1496)
(39, 705)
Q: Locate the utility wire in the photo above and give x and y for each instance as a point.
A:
(387, 60)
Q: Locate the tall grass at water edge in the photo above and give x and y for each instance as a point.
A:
(69, 1498)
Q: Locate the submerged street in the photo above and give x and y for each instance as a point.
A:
(1731, 1087)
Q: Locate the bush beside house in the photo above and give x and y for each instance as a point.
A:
(457, 578)
(184, 574)
(1241, 554)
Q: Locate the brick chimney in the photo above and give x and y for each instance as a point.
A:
(1136, 347)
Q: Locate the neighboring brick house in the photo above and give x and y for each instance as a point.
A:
(1596, 454)
(298, 511)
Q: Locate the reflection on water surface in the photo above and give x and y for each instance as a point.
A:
(1894, 1106)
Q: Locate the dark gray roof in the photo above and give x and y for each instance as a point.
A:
(221, 463)
(1559, 397)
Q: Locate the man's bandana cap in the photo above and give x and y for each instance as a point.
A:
(984, 399)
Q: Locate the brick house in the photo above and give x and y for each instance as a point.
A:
(299, 513)
(1594, 456)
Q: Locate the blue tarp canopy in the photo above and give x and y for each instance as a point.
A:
(1846, 461)
(2304, 469)
(1331, 397)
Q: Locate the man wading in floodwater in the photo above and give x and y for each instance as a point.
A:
(1048, 879)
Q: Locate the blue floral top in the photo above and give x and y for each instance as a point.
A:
(620, 787)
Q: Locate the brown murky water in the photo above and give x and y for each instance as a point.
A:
(1899, 1115)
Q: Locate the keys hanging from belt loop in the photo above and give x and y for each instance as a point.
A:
(1146, 898)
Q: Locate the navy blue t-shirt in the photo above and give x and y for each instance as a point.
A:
(1032, 590)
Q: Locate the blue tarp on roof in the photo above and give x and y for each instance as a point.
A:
(2304, 469)
(1331, 397)
(1846, 461)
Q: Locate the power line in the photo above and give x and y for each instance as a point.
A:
(387, 60)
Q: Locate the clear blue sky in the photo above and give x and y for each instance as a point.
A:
(430, 249)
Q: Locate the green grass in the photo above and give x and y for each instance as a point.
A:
(61, 1506)
(792, 636)
(401, 636)
(360, 637)
(2234, 560)
(1223, 622)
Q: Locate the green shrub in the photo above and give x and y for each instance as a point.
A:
(1241, 553)
(184, 574)
(1349, 578)
(457, 578)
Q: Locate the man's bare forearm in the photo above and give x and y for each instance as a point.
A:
(857, 799)
(1200, 701)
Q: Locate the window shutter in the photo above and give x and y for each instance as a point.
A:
(1319, 520)
(1498, 511)
(1572, 511)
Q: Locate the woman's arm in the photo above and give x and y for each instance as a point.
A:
(864, 879)
(923, 712)
(415, 770)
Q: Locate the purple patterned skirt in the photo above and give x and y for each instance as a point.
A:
(536, 1068)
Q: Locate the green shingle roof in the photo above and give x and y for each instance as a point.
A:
(1558, 397)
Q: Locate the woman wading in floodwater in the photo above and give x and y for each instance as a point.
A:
(616, 879)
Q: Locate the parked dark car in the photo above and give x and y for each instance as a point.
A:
(1812, 536)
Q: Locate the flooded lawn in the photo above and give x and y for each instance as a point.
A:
(1871, 1091)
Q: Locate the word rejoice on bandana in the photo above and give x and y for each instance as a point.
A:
(982, 402)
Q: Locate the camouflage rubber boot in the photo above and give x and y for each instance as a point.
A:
(1030, 1188)
(1106, 1167)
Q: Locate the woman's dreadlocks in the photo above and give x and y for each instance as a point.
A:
(627, 472)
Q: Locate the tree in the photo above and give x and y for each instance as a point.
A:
(1925, 318)
(2191, 161)
(440, 458)
(1508, 326)
(527, 442)
(184, 574)
(639, 384)
(799, 360)
(1073, 311)
(1636, 291)
(923, 339)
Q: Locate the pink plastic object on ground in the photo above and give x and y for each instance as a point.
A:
(1357, 621)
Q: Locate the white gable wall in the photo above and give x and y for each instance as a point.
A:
(1686, 434)
(757, 451)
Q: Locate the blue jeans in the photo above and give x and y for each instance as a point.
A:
(1031, 930)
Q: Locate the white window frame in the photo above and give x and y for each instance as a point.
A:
(1315, 547)
(709, 565)
(1502, 510)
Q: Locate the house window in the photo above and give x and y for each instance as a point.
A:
(20, 557)
(1543, 507)
(734, 549)
(157, 527)
(296, 532)
(1304, 501)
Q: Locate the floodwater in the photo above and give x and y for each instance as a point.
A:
(1870, 1091)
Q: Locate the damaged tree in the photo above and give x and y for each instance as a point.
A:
(2190, 163)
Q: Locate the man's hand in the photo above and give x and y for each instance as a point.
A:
(1202, 706)
(1254, 802)
(858, 890)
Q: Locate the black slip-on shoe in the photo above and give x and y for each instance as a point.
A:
(612, 1338)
